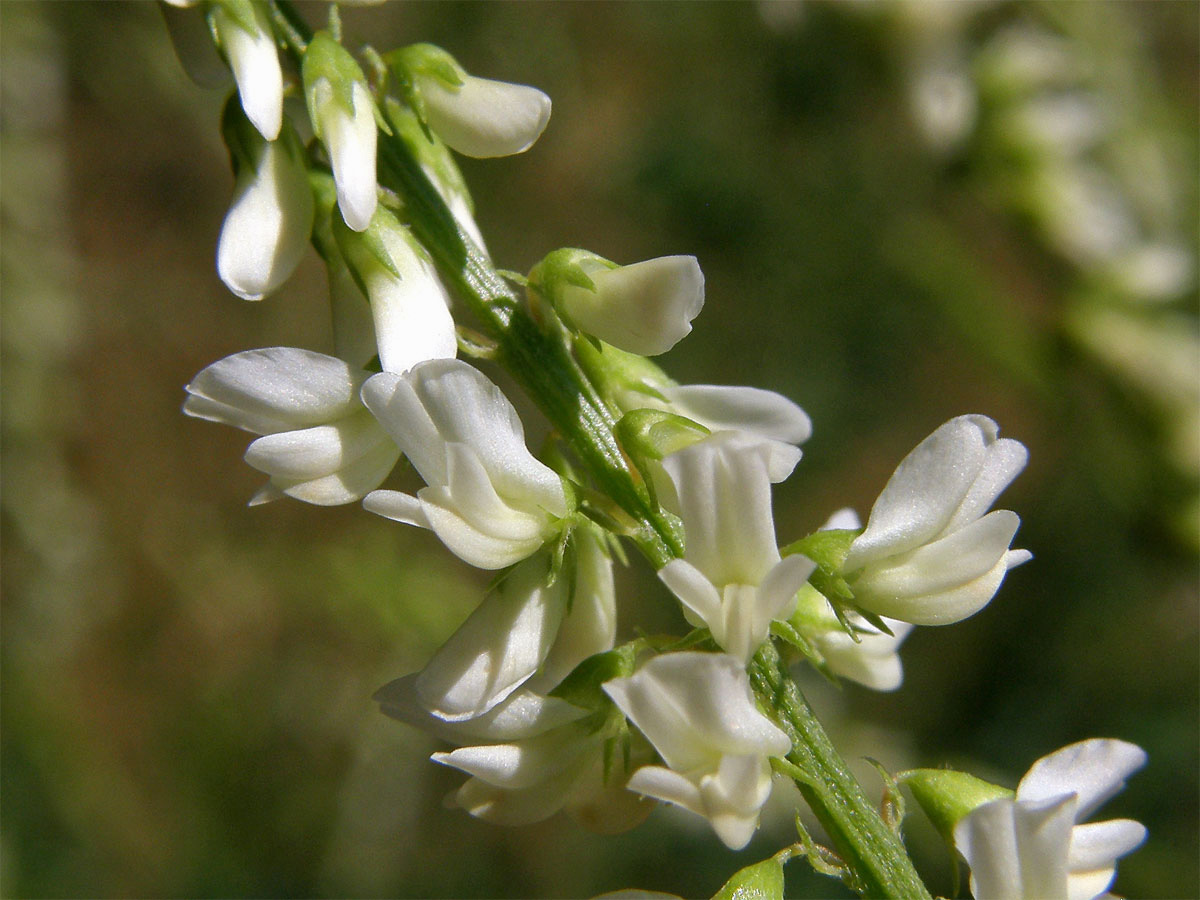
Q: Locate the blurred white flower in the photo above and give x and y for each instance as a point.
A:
(319, 444)
(487, 498)
(1031, 847)
(731, 577)
(929, 554)
(698, 712)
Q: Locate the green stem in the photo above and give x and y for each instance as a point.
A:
(871, 850)
(545, 367)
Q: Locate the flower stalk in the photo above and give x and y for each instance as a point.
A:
(544, 366)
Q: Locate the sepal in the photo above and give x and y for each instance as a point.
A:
(947, 796)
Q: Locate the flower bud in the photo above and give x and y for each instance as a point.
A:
(344, 118)
(269, 222)
(245, 35)
(644, 308)
(408, 302)
(476, 116)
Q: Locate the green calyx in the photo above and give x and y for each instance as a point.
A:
(948, 796)
(328, 62)
(429, 151)
(368, 250)
(240, 13)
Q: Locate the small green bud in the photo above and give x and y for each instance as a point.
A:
(947, 796)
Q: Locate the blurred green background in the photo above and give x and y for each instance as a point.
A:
(904, 212)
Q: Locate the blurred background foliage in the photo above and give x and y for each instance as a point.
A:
(904, 211)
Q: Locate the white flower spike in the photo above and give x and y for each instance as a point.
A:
(644, 308)
(698, 712)
(1032, 847)
(343, 117)
(319, 443)
(267, 228)
(731, 577)
(249, 44)
(409, 304)
(929, 554)
(487, 498)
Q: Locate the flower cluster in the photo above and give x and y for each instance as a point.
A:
(545, 709)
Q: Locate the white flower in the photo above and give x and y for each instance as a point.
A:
(255, 63)
(487, 498)
(319, 443)
(698, 712)
(929, 555)
(269, 222)
(409, 304)
(732, 578)
(521, 629)
(1030, 846)
(484, 118)
(645, 308)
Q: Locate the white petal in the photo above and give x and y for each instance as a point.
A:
(396, 406)
(1095, 770)
(484, 118)
(497, 649)
(255, 64)
(987, 839)
(733, 796)
(523, 714)
(777, 593)
(397, 506)
(924, 492)
(724, 492)
(516, 807)
(274, 389)
(349, 483)
(350, 138)
(267, 228)
(644, 308)
(695, 707)
(591, 624)
(468, 542)
(668, 786)
(947, 563)
(693, 590)
(728, 408)
(942, 608)
(1043, 832)
(314, 452)
(521, 764)
(470, 493)
(1098, 844)
(412, 321)
(1002, 462)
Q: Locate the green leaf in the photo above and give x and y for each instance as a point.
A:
(761, 881)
